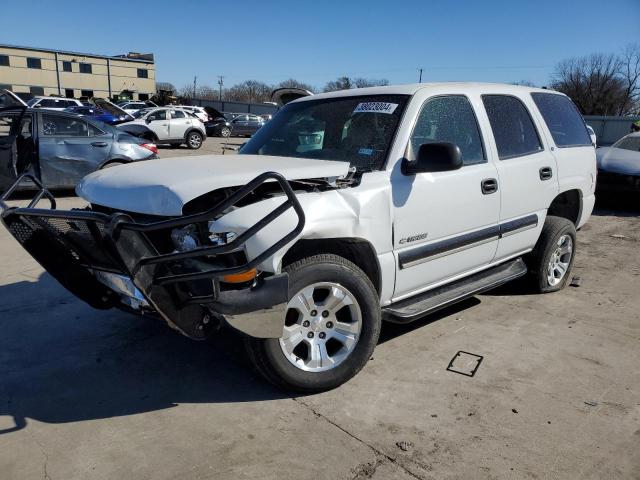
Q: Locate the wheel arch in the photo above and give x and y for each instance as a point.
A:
(567, 204)
(194, 129)
(357, 250)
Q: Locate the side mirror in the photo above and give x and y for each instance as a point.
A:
(434, 157)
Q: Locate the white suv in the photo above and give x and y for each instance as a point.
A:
(347, 209)
(53, 103)
(199, 112)
(172, 125)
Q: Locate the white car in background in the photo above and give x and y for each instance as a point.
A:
(133, 107)
(53, 103)
(171, 125)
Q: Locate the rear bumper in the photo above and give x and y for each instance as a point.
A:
(109, 261)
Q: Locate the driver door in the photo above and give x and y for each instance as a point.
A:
(446, 222)
(17, 147)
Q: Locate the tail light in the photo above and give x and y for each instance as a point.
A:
(150, 146)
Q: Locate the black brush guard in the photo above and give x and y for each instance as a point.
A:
(71, 244)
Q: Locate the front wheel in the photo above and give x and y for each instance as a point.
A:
(225, 132)
(332, 324)
(551, 260)
(194, 140)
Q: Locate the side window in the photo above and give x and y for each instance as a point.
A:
(54, 125)
(177, 114)
(94, 131)
(449, 119)
(563, 119)
(512, 126)
(159, 115)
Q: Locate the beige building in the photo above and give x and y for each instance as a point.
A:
(41, 71)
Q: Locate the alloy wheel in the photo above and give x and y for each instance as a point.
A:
(560, 260)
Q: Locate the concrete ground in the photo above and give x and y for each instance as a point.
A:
(87, 394)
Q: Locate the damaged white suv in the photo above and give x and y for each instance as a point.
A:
(346, 209)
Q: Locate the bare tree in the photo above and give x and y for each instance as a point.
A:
(293, 83)
(206, 92)
(252, 91)
(593, 83)
(346, 83)
(167, 86)
(629, 72)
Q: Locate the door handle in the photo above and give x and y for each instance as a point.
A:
(98, 144)
(546, 173)
(489, 185)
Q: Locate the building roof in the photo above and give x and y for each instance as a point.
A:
(131, 57)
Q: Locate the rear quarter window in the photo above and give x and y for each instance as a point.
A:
(565, 123)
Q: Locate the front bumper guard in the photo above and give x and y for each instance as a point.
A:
(73, 245)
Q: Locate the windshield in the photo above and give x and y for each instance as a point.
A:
(358, 130)
(629, 143)
(32, 101)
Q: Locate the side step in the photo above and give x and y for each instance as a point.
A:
(413, 308)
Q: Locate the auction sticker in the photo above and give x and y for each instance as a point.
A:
(375, 107)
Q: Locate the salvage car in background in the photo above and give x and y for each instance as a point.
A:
(53, 103)
(172, 125)
(99, 114)
(218, 125)
(246, 124)
(133, 107)
(619, 165)
(58, 147)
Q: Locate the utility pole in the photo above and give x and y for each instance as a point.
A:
(220, 84)
(194, 86)
(420, 76)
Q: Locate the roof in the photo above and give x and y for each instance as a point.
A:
(411, 89)
(79, 54)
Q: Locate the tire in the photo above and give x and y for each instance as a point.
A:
(551, 259)
(311, 278)
(194, 140)
(225, 132)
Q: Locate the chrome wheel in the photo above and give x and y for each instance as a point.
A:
(560, 260)
(322, 327)
(225, 132)
(195, 140)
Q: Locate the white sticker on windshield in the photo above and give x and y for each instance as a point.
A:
(375, 107)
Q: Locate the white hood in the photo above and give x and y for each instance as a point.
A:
(162, 187)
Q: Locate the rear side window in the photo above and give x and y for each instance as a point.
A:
(449, 119)
(177, 114)
(513, 128)
(54, 125)
(563, 119)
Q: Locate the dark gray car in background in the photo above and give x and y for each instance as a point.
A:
(246, 124)
(60, 148)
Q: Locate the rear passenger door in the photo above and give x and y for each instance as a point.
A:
(70, 148)
(178, 124)
(527, 172)
(445, 223)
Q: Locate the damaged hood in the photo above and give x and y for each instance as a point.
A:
(163, 187)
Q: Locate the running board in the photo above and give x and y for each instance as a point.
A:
(413, 308)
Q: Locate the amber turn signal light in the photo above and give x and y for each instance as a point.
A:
(241, 277)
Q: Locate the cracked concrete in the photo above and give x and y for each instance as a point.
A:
(102, 394)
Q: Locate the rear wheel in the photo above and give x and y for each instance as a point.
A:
(194, 140)
(551, 259)
(332, 325)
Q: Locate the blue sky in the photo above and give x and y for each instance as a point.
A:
(482, 40)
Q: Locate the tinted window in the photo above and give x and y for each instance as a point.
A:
(142, 73)
(66, 66)
(68, 92)
(449, 119)
(563, 119)
(143, 96)
(85, 68)
(86, 93)
(177, 114)
(512, 127)
(33, 63)
(629, 143)
(4, 60)
(53, 103)
(64, 126)
(159, 115)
